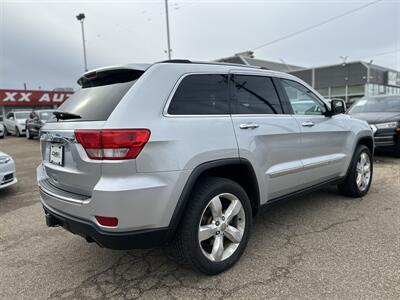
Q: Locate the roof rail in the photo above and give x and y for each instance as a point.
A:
(175, 61)
(186, 61)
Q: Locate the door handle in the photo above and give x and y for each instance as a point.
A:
(308, 124)
(249, 126)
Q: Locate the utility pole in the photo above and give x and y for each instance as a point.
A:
(81, 18)
(168, 37)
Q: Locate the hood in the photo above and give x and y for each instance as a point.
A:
(378, 117)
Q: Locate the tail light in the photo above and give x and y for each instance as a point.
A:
(113, 144)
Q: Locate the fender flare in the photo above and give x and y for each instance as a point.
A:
(190, 183)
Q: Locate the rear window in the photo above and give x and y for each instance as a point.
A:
(22, 115)
(100, 94)
(95, 103)
(201, 94)
(45, 115)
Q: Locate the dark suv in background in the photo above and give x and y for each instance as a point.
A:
(383, 115)
(36, 120)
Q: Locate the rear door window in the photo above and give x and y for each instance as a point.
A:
(255, 95)
(201, 94)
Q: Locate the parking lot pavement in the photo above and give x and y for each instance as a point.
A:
(318, 246)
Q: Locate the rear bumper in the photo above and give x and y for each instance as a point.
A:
(140, 202)
(146, 238)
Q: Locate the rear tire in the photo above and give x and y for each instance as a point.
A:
(359, 177)
(216, 227)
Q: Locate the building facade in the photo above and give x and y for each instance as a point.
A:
(30, 99)
(348, 81)
(351, 81)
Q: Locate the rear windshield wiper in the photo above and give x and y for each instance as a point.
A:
(62, 115)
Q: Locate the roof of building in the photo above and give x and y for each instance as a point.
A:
(366, 64)
(247, 58)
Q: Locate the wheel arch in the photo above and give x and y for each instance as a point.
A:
(237, 169)
(367, 141)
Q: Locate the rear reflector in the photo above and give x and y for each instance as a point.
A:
(113, 144)
(107, 221)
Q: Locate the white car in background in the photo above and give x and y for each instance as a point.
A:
(2, 133)
(7, 170)
(15, 122)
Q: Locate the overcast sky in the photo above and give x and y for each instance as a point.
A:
(40, 42)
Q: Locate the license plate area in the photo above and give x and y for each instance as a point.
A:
(57, 154)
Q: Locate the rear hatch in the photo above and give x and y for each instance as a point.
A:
(66, 162)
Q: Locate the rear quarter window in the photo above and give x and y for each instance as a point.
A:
(201, 94)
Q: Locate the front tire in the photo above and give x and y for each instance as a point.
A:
(397, 150)
(17, 133)
(215, 230)
(359, 177)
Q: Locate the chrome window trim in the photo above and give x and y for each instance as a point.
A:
(256, 72)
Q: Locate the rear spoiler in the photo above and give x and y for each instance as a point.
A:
(111, 75)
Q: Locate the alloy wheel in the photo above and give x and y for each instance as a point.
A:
(221, 227)
(363, 171)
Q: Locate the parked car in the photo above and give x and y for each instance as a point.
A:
(185, 154)
(7, 171)
(36, 120)
(2, 133)
(15, 122)
(383, 115)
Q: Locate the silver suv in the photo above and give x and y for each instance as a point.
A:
(184, 154)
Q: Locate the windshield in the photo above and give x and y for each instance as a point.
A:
(381, 104)
(45, 115)
(22, 115)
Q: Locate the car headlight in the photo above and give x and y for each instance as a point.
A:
(386, 125)
(373, 128)
(4, 159)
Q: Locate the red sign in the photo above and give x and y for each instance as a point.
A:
(37, 98)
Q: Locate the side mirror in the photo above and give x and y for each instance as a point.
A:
(338, 106)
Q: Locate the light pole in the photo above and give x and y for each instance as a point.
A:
(167, 20)
(81, 18)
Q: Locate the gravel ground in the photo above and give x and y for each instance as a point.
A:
(321, 246)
